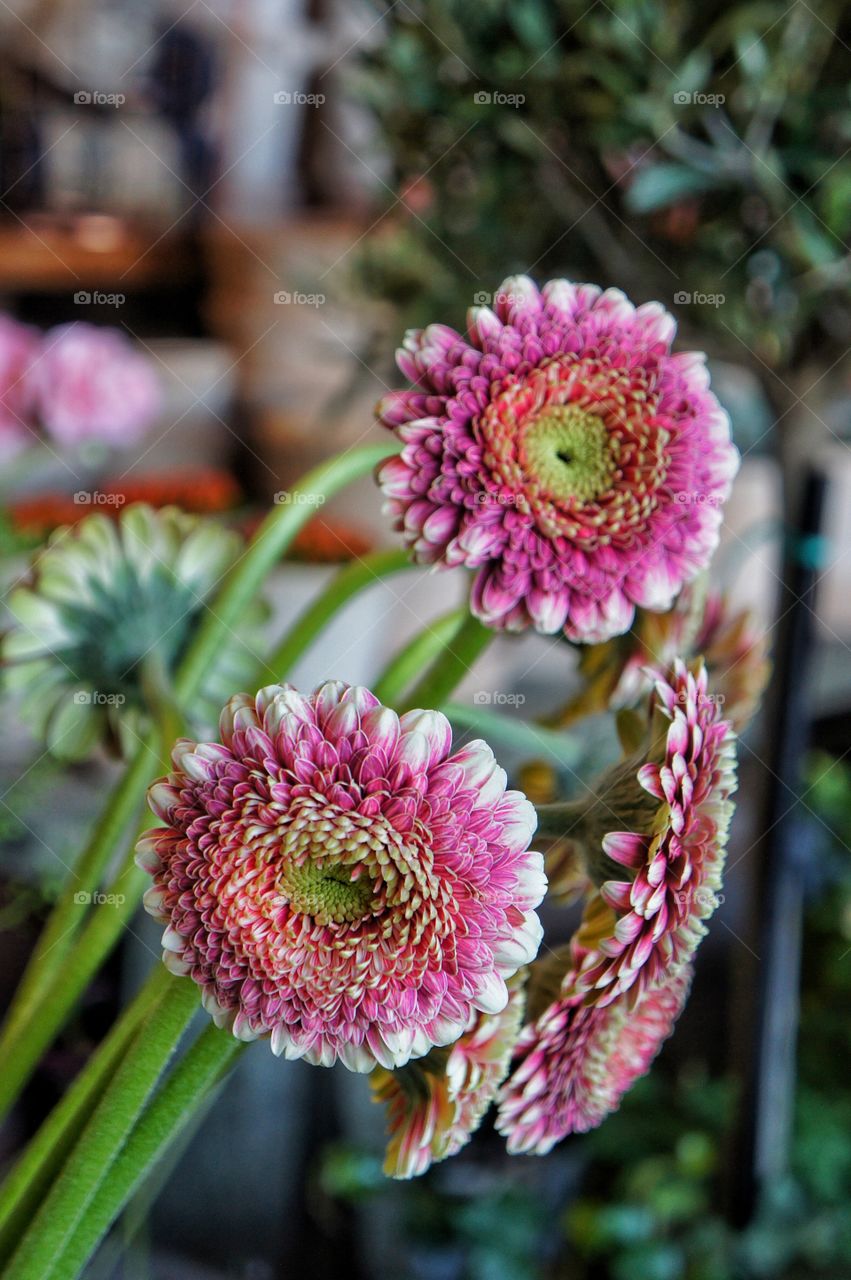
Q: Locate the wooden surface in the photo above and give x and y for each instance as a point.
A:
(95, 251)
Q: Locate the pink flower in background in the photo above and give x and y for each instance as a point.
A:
(703, 623)
(563, 452)
(19, 345)
(435, 1105)
(577, 1061)
(334, 877)
(91, 384)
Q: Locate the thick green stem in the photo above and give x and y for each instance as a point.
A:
(270, 542)
(26, 1185)
(80, 966)
(448, 670)
(531, 739)
(411, 661)
(68, 917)
(91, 1160)
(169, 1112)
(347, 583)
(558, 820)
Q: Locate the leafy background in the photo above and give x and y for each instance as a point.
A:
(604, 172)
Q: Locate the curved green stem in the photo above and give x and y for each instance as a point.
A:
(79, 967)
(269, 544)
(68, 915)
(563, 748)
(447, 671)
(416, 655)
(26, 1185)
(347, 583)
(113, 1120)
(198, 1073)
(558, 820)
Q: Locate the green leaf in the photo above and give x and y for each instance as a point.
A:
(753, 59)
(660, 185)
(694, 72)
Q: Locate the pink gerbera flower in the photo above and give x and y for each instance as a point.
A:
(435, 1105)
(562, 451)
(669, 861)
(620, 673)
(335, 878)
(577, 1061)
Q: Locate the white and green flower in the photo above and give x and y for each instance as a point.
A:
(105, 618)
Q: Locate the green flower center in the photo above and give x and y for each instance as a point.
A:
(326, 892)
(569, 452)
(115, 632)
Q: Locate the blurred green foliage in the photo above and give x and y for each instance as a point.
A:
(489, 1232)
(662, 146)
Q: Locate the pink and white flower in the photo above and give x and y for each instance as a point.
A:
(90, 383)
(563, 452)
(577, 1061)
(334, 877)
(673, 864)
(620, 673)
(434, 1105)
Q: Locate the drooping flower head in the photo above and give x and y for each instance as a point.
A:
(108, 604)
(562, 451)
(620, 673)
(334, 877)
(19, 346)
(434, 1105)
(577, 1061)
(91, 384)
(660, 877)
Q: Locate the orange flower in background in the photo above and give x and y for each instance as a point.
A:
(38, 516)
(210, 491)
(203, 492)
(321, 541)
(199, 492)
